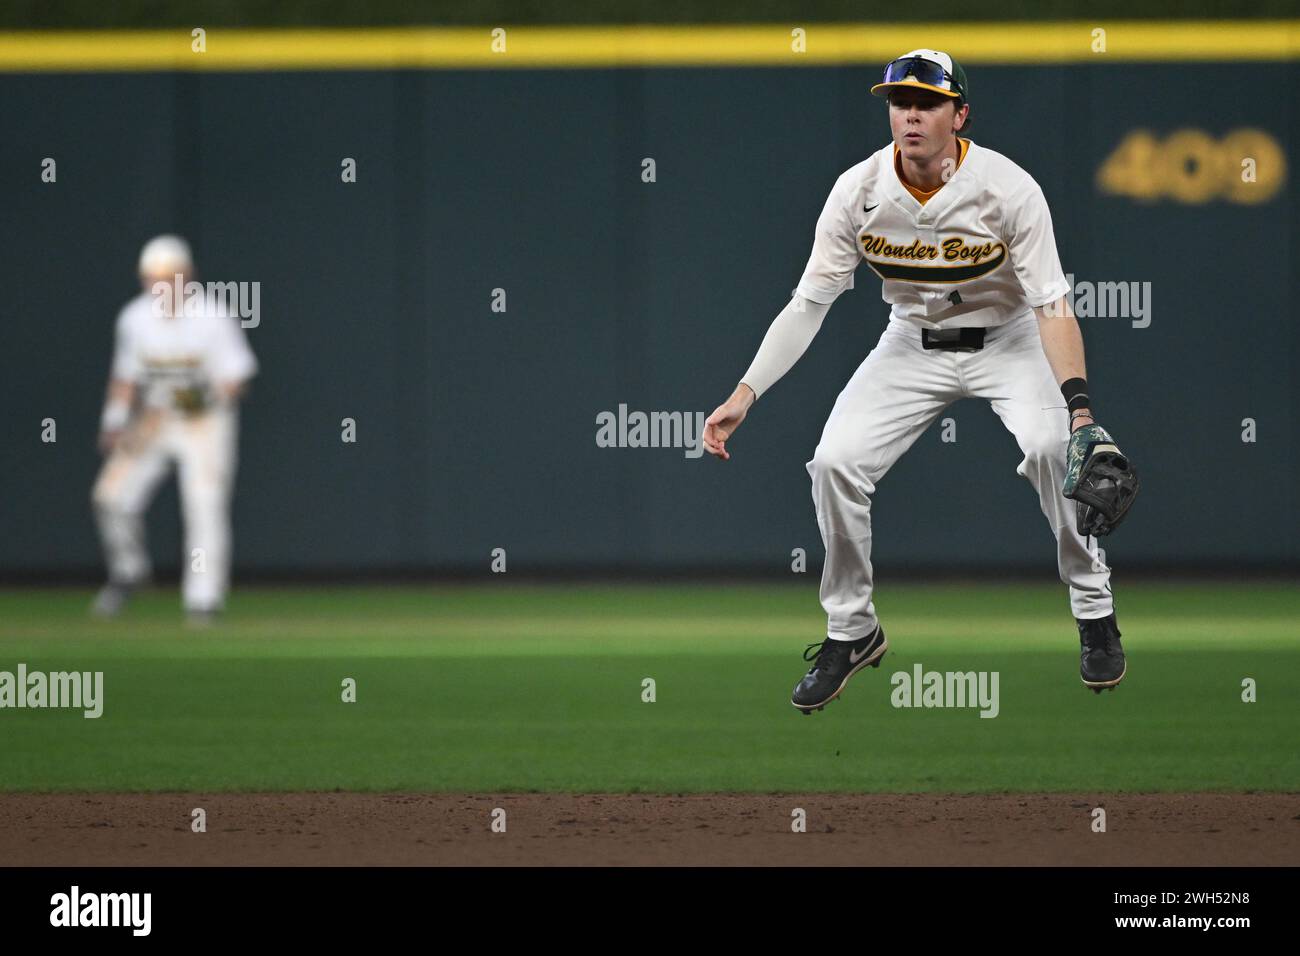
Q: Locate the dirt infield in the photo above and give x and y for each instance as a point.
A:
(637, 829)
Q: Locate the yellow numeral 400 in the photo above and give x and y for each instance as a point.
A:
(1191, 166)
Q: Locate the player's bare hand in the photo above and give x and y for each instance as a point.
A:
(108, 440)
(724, 421)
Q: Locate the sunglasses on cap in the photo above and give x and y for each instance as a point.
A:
(925, 71)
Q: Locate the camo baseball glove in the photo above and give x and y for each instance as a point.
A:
(190, 400)
(1100, 479)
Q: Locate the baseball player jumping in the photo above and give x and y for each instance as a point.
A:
(962, 238)
(179, 368)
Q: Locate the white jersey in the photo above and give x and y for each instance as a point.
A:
(980, 252)
(176, 360)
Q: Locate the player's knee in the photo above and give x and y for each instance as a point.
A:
(828, 460)
(102, 498)
(110, 500)
(838, 466)
(204, 508)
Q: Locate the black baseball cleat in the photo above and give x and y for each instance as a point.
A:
(835, 662)
(1101, 657)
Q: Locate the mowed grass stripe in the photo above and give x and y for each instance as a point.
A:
(719, 722)
(502, 688)
(529, 620)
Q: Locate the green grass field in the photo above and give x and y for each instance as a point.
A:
(516, 688)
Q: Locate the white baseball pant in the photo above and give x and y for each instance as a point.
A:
(897, 391)
(203, 447)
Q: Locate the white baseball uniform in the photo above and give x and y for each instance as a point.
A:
(176, 362)
(979, 252)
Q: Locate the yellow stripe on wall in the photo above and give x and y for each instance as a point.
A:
(646, 46)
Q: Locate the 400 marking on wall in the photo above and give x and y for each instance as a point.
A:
(1190, 166)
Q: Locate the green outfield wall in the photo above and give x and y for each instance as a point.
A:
(502, 273)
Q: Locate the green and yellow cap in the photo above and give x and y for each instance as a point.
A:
(926, 70)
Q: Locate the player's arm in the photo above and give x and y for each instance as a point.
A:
(117, 413)
(1098, 476)
(234, 364)
(1032, 244)
(120, 398)
(787, 339)
(829, 272)
(1063, 346)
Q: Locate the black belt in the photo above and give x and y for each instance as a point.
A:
(953, 340)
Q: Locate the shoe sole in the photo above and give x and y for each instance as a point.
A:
(1098, 686)
(872, 660)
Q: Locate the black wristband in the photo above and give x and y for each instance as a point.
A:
(1075, 391)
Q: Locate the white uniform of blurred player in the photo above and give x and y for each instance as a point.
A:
(179, 368)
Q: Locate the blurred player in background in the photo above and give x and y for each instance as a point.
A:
(179, 368)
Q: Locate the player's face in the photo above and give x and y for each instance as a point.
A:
(163, 274)
(922, 122)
